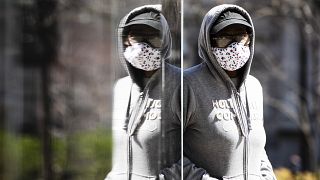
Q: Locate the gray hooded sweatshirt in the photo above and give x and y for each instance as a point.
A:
(146, 132)
(223, 124)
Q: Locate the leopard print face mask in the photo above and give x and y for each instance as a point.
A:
(143, 56)
(232, 57)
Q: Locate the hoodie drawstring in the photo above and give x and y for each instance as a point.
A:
(133, 119)
(243, 114)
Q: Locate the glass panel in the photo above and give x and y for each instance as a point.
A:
(59, 66)
(286, 62)
(146, 132)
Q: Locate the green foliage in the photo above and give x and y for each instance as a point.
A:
(83, 155)
(91, 154)
(21, 156)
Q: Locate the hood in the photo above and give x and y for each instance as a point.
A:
(165, 34)
(204, 45)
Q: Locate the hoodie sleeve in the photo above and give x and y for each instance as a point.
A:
(189, 105)
(266, 168)
(190, 172)
(121, 93)
(176, 104)
(174, 172)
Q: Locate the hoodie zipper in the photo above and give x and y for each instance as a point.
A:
(134, 119)
(245, 126)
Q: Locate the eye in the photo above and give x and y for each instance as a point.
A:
(135, 39)
(155, 42)
(126, 42)
(245, 39)
(221, 41)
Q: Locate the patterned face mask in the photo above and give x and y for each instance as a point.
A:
(232, 57)
(143, 56)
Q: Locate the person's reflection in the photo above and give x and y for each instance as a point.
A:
(145, 130)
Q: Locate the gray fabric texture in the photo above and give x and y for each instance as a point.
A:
(223, 123)
(146, 131)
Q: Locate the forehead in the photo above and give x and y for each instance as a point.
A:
(233, 29)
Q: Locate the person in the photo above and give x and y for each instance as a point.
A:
(224, 137)
(146, 132)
